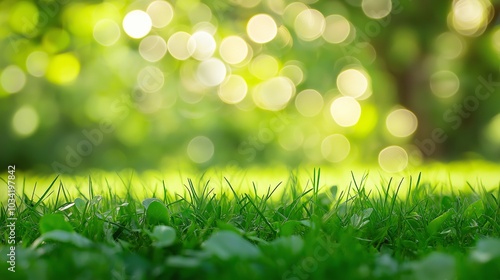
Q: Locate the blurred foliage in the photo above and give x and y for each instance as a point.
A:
(143, 84)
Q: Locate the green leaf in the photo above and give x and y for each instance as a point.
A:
(474, 210)
(157, 213)
(289, 245)
(486, 250)
(163, 236)
(80, 204)
(50, 222)
(227, 245)
(438, 222)
(148, 201)
(63, 237)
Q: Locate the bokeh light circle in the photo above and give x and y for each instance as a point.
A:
(201, 45)
(337, 29)
(106, 32)
(444, 83)
(152, 48)
(233, 90)
(335, 148)
(233, 49)
(36, 63)
(274, 94)
(345, 111)
(211, 72)
(262, 28)
(137, 24)
(352, 82)
(25, 121)
(177, 45)
(309, 24)
(401, 123)
(13, 79)
(200, 149)
(161, 13)
(393, 159)
(376, 9)
(309, 102)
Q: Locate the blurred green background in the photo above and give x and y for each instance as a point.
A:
(155, 84)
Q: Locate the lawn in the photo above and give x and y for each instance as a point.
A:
(302, 227)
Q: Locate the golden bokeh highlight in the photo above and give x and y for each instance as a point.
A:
(449, 45)
(262, 28)
(352, 82)
(153, 48)
(376, 9)
(444, 83)
(470, 17)
(309, 24)
(25, 121)
(12, 79)
(161, 13)
(393, 159)
(293, 71)
(211, 72)
(177, 45)
(309, 102)
(233, 50)
(337, 29)
(401, 123)
(201, 45)
(233, 90)
(345, 111)
(274, 94)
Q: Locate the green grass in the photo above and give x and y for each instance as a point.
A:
(302, 228)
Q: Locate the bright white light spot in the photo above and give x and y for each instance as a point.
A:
(309, 102)
(13, 79)
(211, 72)
(309, 24)
(200, 149)
(393, 159)
(262, 28)
(25, 121)
(106, 32)
(233, 49)
(274, 94)
(202, 45)
(345, 111)
(150, 79)
(470, 17)
(335, 148)
(137, 24)
(352, 83)
(177, 45)
(233, 89)
(161, 13)
(153, 48)
(376, 9)
(401, 123)
(337, 29)
(36, 63)
(444, 84)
